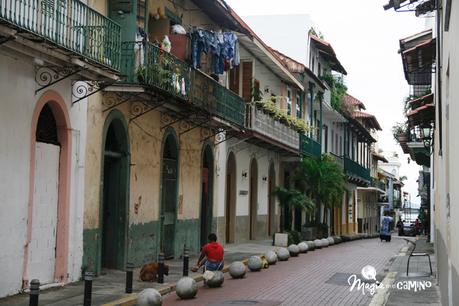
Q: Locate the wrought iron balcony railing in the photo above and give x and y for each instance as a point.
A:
(69, 24)
(378, 184)
(147, 65)
(354, 169)
(264, 124)
(309, 147)
(217, 99)
(338, 159)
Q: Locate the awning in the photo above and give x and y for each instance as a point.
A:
(371, 189)
(422, 110)
(326, 50)
(379, 157)
(418, 55)
(368, 118)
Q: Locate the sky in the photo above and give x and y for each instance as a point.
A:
(366, 41)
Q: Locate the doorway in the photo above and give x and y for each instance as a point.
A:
(115, 195)
(206, 194)
(253, 199)
(230, 198)
(42, 250)
(169, 189)
(271, 200)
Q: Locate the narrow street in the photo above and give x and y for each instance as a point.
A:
(316, 278)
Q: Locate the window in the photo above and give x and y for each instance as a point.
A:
(325, 131)
(141, 13)
(289, 101)
(333, 148)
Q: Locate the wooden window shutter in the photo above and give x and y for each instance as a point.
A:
(234, 80)
(247, 74)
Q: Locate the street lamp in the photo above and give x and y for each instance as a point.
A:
(426, 131)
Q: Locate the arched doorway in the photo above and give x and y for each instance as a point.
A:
(230, 198)
(115, 193)
(206, 193)
(271, 199)
(47, 249)
(253, 205)
(169, 189)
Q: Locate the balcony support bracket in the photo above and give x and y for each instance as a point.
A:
(115, 101)
(46, 76)
(140, 109)
(84, 89)
(194, 126)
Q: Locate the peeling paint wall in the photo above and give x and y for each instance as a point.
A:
(146, 140)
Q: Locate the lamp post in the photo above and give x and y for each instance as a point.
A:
(425, 131)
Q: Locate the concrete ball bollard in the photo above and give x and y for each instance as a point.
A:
(255, 263)
(294, 250)
(237, 269)
(303, 247)
(311, 245)
(325, 243)
(331, 241)
(149, 297)
(186, 288)
(318, 243)
(216, 280)
(283, 254)
(271, 257)
(337, 239)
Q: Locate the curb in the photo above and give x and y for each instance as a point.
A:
(131, 299)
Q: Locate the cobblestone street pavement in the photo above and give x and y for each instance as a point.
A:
(316, 278)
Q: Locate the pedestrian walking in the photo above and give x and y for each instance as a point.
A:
(400, 227)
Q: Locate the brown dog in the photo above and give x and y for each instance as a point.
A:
(149, 272)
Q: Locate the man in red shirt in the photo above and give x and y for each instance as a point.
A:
(211, 255)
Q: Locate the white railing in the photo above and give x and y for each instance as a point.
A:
(264, 124)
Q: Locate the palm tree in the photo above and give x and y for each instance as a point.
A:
(322, 180)
(294, 200)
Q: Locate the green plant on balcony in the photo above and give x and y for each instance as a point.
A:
(400, 132)
(270, 107)
(337, 89)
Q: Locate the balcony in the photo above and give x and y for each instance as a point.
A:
(218, 100)
(338, 159)
(353, 169)
(378, 184)
(309, 147)
(70, 25)
(265, 125)
(145, 64)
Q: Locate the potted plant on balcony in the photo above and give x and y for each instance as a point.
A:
(400, 132)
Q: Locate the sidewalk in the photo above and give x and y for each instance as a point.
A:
(110, 285)
(418, 267)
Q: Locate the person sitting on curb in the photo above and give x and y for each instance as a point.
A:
(211, 256)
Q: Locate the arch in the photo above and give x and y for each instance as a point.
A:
(207, 170)
(230, 198)
(169, 189)
(114, 193)
(56, 103)
(253, 204)
(271, 199)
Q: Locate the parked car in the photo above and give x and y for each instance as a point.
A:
(408, 228)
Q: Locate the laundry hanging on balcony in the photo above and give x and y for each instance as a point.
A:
(222, 48)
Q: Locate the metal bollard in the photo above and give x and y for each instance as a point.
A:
(186, 262)
(129, 276)
(88, 276)
(161, 268)
(34, 292)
